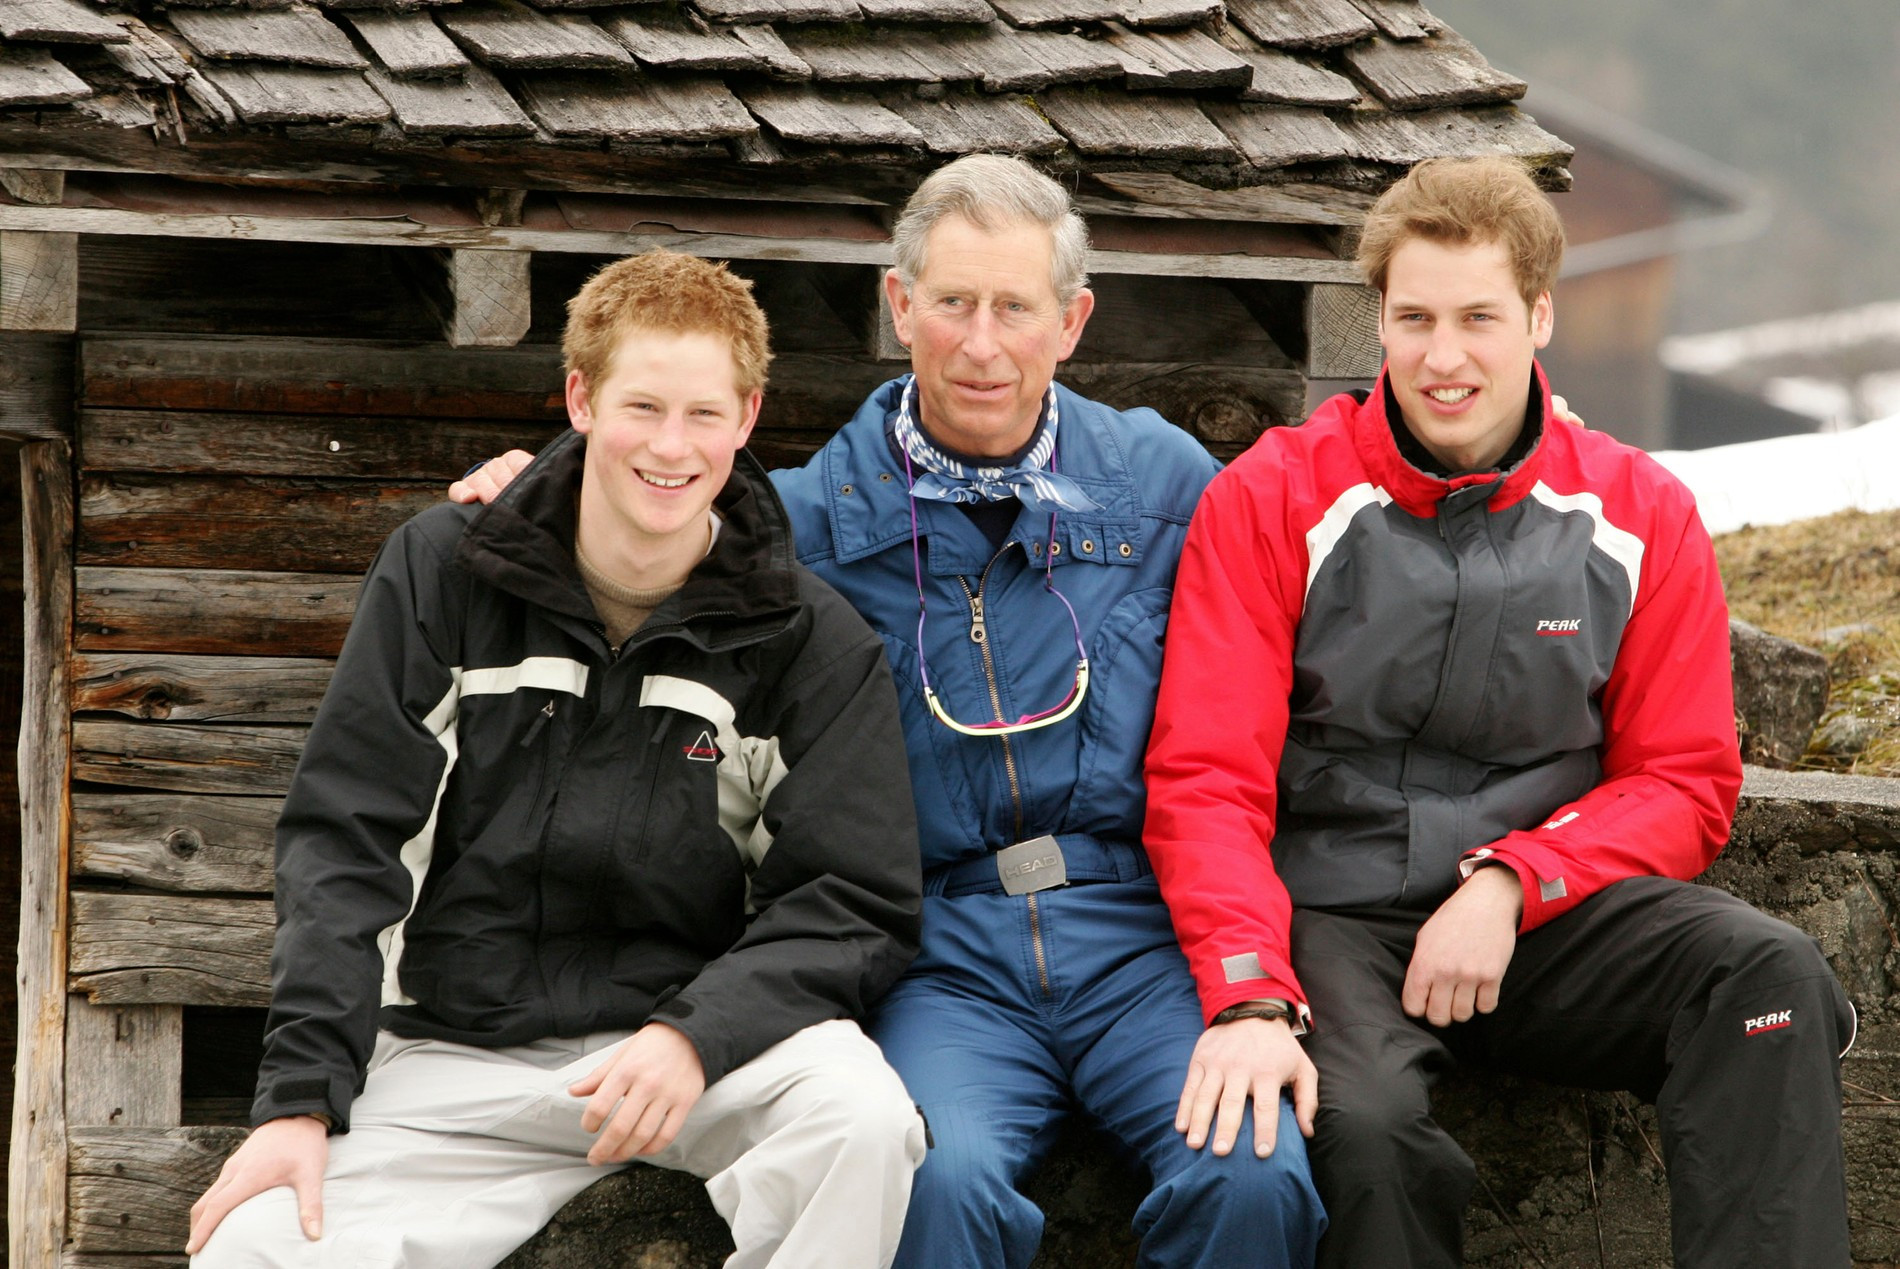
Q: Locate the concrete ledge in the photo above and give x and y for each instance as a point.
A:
(1561, 1172)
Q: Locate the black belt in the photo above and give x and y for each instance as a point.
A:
(1041, 863)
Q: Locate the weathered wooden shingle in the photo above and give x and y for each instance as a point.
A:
(1035, 13)
(660, 37)
(635, 108)
(1404, 138)
(1401, 19)
(116, 110)
(1442, 71)
(851, 55)
(804, 114)
(33, 77)
(1285, 79)
(927, 10)
(1169, 12)
(967, 123)
(411, 45)
(1104, 121)
(1188, 59)
(1276, 136)
(745, 11)
(475, 105)
(780, 62)
(265, 93)
(58, 22)
(155, 54)
(507, 33)
(299, 36)
(1301, 23)
(1029, 61)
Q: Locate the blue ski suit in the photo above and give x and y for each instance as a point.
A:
(1021, 1007)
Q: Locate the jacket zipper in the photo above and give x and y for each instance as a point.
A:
(979, 635)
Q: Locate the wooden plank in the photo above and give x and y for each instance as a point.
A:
(1222, 329)
(1030, 61)
(967, 123)
(801, 113)
(166, 950)
(132, 1189)
(1101, 121)
(766, 43)
(30, 186)
(71, 1259)
(1383, 136)
(507, 33)
(39, 281)
(1287, 80)
(322, 376)
(1342, 332)
(671, 39)
(265, 93)
(36, 1168)
(1401, 19)
(33, 77)
(218, 612)
(1276, 136)
(410, 45)
(1301, 23)
(124, 1065)
(291, 444)
(1188, 59)
(58, 22)
(876, 11)
(1029, 14)
(1215, 403)
(1444, 70)
(165, 688)
(474, 105)
(844, 56)
(682, 108)
(300, 36)
(189, 842)
(36, 385)
(187, 757)
(153, 521)
(491, 302)
(780, 12)
(1171, 13)
(168, 61)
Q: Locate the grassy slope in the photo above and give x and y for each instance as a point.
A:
(1833, 584)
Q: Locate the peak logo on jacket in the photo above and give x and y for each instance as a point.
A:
(1560, 626)
(1768, 1022)
(702, 749)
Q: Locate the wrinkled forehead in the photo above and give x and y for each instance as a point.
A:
(1004, 255)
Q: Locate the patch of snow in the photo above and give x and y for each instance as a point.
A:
(1788, 478)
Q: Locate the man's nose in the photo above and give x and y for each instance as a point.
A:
(1446, 352)
(669, 438)
(979, 337)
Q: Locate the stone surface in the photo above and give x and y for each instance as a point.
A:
(1561, 1172)
(1780, 691)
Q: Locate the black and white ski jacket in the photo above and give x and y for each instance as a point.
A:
(501, 831)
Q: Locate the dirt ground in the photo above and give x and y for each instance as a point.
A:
(1833, 584)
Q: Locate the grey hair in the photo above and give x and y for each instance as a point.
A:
(990, 191)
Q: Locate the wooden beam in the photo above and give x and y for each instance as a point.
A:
(220, 612)
(149, 949)
(124, 1064)
(39, 279)
(29, 185)
(1342, 332)
(36, 1180)
(36, 385)
(482, 297)
(183, 842)
(187, 757)
(132, 1189)
(1231, 405)
(857, 297)
(158, 685)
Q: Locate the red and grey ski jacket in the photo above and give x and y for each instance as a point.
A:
(502, 830)
(1376, 677)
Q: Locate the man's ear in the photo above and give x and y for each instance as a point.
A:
(580, 412)
(1543, 320)
(899, 300)
(752, 403)
(1074, 318)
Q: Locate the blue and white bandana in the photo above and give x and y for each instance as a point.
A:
(945, 479)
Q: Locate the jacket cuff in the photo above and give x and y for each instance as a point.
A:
(320, 1093)
(1541, 895)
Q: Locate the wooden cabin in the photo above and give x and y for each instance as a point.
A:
(273, 271)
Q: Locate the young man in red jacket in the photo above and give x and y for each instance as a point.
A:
(1488, 738)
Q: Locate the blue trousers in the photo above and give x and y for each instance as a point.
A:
(1015, 1013)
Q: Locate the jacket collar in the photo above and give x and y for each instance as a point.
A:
(523, 543)
(868, 508)
(1420, 492)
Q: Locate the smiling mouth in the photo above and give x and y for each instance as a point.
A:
(665, 482)
(1449, 396)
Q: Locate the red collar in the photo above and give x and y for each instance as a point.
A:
(1419, 492)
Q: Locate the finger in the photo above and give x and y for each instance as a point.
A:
(307, 1183)
(631, 1125)
(1188, 1090)
(1488, 992)
(1416, 991)
(516, 461)
(586, 1084)
(1306, 1096)
(206, 1214)
(1464, 999)
(669, 1129)
(460, 492)
(1233, 1112)
(1206, 1099)
(1266, 1118)
(1438, 1004)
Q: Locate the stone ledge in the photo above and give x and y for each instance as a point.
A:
(1821, 851)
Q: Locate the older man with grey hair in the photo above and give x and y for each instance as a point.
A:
(1014, 544)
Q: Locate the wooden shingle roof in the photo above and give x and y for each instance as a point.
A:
(859, 97)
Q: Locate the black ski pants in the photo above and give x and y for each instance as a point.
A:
(1727, 1019)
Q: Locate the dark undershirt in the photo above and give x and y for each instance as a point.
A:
(1418, 456)
(993, 518)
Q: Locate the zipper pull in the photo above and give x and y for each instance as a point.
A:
(541, 720)
(979, 633)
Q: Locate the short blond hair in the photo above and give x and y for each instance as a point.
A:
(666, 293)
(1463, 201)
